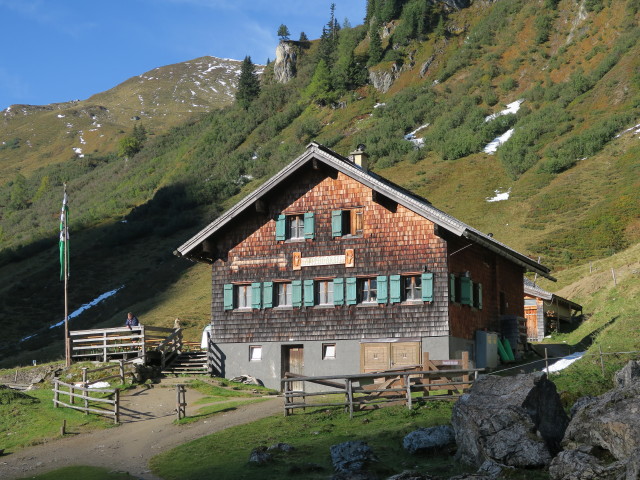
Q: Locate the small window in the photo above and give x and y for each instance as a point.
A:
(255, 353)
(412, 288)
(284, 294)
(328, 351)
(347, 222)
(295, 227)
(367, 290)
(324, 292)
(530, 302)
(243, 296)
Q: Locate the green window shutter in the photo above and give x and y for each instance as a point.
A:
(309, 225)
(228, 296)
(296, 293)
(338, 291)
(281, 227)
(480, 296)
(336, 223)
(309, 293)
(466, 295)
(452, 287)
(427, 287)
(394, 289)
(352, 291)
(256, 295)
(383, 289)
(267, 294)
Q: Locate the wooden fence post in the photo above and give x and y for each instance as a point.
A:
(465, 366)
(407, 384)
(287, 399)
(121, 370)
(349, 394)
(116, 406)
(546, 361)
(181, 401)
(104, 347)
(144, 346)
(56, 391)
(601, 360)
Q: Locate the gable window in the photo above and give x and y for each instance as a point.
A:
(284, 294)
(347, 222)
(412, 288)
(367, 290)
(255, 353)
(324, 292)
(328, 351)
(296, 226)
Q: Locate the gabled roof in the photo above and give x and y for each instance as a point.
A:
(533, 290)
(413, 202)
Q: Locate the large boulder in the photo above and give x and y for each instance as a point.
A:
(581, 465)
(516, 421)
(612, 420)
(351, 457)
(428, 439)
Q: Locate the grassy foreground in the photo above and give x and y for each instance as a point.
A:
(224, 455)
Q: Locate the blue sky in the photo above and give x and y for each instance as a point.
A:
(59, 50)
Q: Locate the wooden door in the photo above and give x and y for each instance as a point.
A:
(531, 314)
(293, 362)
(404, 354)
(374, 357)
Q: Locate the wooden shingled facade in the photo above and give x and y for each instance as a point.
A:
(394, 241)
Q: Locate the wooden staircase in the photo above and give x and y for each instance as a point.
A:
(188, 363)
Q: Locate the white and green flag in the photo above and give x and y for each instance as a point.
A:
(64, 238)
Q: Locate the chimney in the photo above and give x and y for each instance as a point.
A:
(360, 158)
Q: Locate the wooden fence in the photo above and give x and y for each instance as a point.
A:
(374, 390)
(120, 365)
(123, 343)
(88, 403)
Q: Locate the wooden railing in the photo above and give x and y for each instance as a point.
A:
(121, 375)
(124, 343)
(89, 404)
(374, 390)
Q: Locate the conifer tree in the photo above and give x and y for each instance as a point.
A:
(283, 32)
(319, 89)
(248, 84)
(375, 45)
(303, 38)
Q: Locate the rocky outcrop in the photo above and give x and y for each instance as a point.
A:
(382, 80)
(609, 423)
(350, 458)
(457, 4)
(428, 439)
(516, 421)
(284, 67)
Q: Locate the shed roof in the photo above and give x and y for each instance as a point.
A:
(533, 290)
(415, 203)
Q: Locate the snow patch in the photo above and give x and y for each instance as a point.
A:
(493, 145)
(499, 196)
(565, 362)
(60, 115)
(412, 135)
(87, 306)
(378, 105)
(636, 130)
(513, 107)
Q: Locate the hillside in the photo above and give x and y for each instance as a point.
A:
(424, 100)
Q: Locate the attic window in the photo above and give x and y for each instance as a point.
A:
(348, 222)
(298, 226)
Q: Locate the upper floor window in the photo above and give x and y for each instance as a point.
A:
(296, 226)
(412, 288)
(243, 296)
(324, 292)
(367, 290)
(284, 294)
(347, 222)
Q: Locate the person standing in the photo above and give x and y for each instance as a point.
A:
(132, 321)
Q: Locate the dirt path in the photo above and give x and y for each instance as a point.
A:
(146, 431)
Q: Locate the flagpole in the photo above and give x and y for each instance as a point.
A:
(67, 346)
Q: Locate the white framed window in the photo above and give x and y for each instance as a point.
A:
(367, 290)
(283, 294)
(324, 292)
(255, 353)
(328, 351)
(243, 296)
(412, 288)
(295, 227)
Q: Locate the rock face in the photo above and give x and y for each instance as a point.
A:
(428, 439)
(516, 421)
(580, 465)
(351, 457)
(610, 421)
(284, 68)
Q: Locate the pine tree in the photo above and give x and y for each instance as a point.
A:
(283, 32)
(303, 38)
(248, 84)
(375, 45)
(319, 89)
